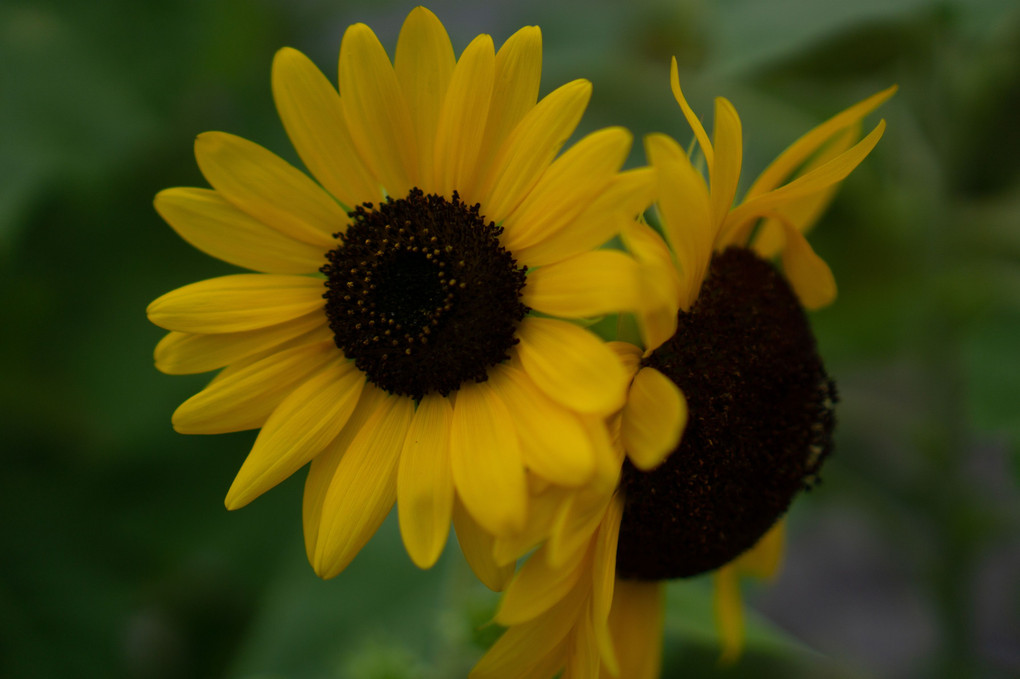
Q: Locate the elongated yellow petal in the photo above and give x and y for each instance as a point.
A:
(625, 197)
(477, 546)
(486, 457)
(425, 482)
(214, 226)
(661, 286)
(804, 212)
(763, 560)
(537, 587)
(577, 524)
(300, 427)
(738, 223)
(531, 147)
(514, 91)
(554, 442)
(462, 119)
(376, 111)
(590, 284)
(583, 658)
(604, 581)
(544, 508)
(567, 187)
(245, 397)
(323, 467)
(692, 119)
(636, 624)
(181, 353)
(809, 275)
(236, 303)
(802, 149)
(653, 419)
(313, 116)
(424, 63)
(571, 365)
(363, 488)
(268, 188)
(729, 613)
(728, 146)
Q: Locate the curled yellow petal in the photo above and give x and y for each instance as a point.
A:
(653, 419)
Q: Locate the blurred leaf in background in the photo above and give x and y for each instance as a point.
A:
(120, 559)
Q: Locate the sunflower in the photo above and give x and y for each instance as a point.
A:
(729, 413)
(416, 318)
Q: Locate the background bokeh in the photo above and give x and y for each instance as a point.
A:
(117, 557)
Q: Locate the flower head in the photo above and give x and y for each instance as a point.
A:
(411, 326)
(729, 414)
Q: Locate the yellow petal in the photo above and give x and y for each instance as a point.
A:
(244, 398)
(625, 197)
(537, 587)
(544, 507)
(323, 467)
(653, 419)
(577, 524)
(567, 187)
(376, 111)
(363, 487)
(661, 286)
(628, 354)
(692, 120)
(313, 116)
(763, 560)
(729, 613)
(802, 149)
(217, 228)
(477, 546)
(571, 365)
(728, 146)
(424, 63)
(604, 581)
(636, 624)
(583, 659)
(269, 188)
(486, 457)
(554, 442)
(181, 353)
(809, 275)
(804, 212)
(531, 147)
(237, 303)
(462, 119)
(425, 482)
(300, 427)
(738, 223)
(590, 284)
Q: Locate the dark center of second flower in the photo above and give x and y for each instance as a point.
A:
(760, 425)
(421, 295)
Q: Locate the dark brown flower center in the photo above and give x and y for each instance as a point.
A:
(421, 295)
(760, 425)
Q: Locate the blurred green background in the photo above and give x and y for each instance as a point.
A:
(118, 558)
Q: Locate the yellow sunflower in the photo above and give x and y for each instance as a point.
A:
(412, 329)
(729, 413)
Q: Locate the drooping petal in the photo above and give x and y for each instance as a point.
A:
(692, 119)
(313, 116)
(636, 623)
(544, 508)
(537, 587)
(181, 353)
(268, 188)
(425, 483)
(486, 457)
(604, 581)
(729, 613)
(363, 487)
(554, 442)
(214, 226)
(515, 89)
(763, 560)
(424, 63)
(809, 275)
(583, 657)
(323, 467)
(376, 112)
(531, 147)
(568, 187)
(571, 365)
(462, 118)
(653, 419)
(477, 546)
(298, 429)
(244, 397)
(236, 303)
(590, 284)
